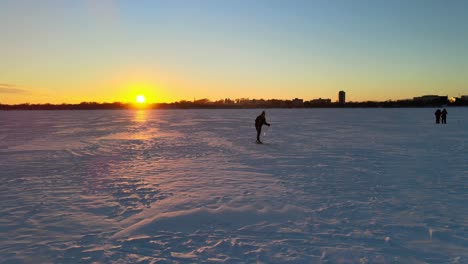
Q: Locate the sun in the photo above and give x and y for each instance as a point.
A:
(140, 99)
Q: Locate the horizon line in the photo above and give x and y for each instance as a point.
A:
(207, 100)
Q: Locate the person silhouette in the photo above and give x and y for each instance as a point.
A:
(437, 116)
(444, 116)
(259, 122)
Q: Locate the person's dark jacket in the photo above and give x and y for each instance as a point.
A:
(260, 121)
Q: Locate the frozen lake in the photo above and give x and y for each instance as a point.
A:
(190, 186)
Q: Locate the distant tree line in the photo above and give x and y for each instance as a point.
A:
(80, 106)
(234, 104)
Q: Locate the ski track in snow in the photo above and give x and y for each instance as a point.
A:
(190, 186)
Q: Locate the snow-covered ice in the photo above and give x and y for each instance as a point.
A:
(191, 186)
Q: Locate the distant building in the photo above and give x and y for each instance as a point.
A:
(342, 97)
(297, 102)
(431, 99)
(320, 101)
(426, 98)
(463, 100)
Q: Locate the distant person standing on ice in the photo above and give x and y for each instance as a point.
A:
(259, 122)
(437, 116)
(444, 116)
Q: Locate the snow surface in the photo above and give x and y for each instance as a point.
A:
(191, 186)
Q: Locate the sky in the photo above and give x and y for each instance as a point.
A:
(67, 51)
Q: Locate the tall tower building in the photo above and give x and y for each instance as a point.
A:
(342, 97)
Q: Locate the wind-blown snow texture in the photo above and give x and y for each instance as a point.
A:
(178, 186)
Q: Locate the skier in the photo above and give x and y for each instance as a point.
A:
(444, 116)
(259, 122)
(437, 116)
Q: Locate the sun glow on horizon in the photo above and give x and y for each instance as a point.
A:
(140, 99)
(139, 93)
